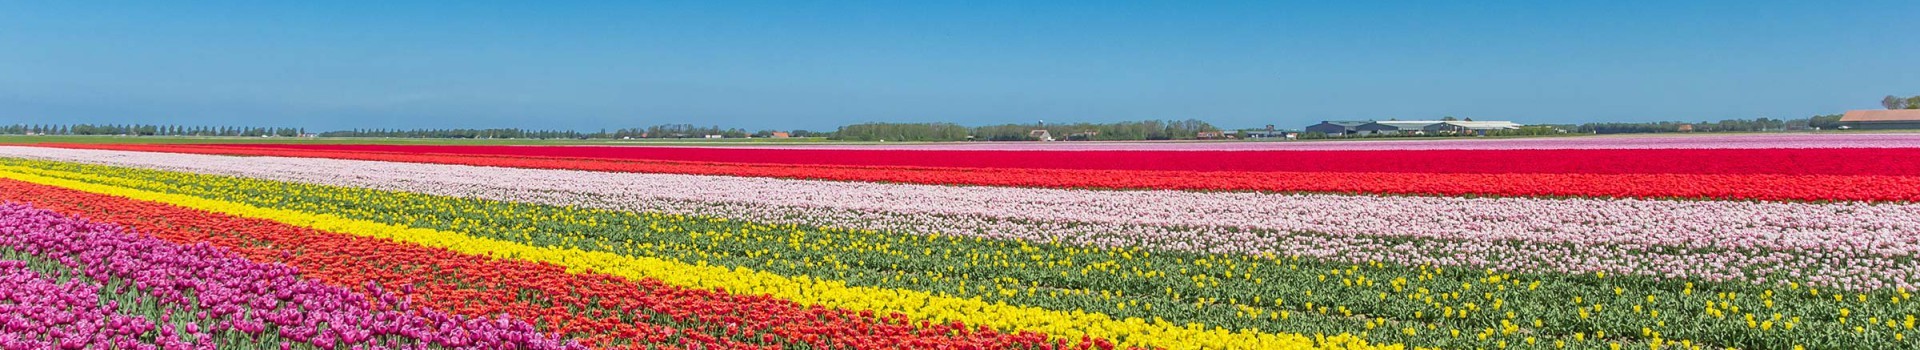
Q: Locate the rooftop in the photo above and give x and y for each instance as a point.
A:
(1459, 123)
(1487, 124)
(1882, 115)
(1408, 123)
(1347, 122)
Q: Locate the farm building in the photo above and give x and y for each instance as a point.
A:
(1881, 119)
(1478, 127)
(1410, 127)
(1391, 127)
(1424, 127)
(1210, 135)
(1040, 134)
(1264, 134)
(1335, 127)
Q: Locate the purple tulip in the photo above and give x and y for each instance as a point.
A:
(208, 285)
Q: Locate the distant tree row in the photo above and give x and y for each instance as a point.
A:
(794, 133)
(669, 131)
(1134, 130)
(1530, 130)
(1897, 102)
(1120, 131)
(149, 130)
(1822, 122)
(502, 133)
(902, 132)
(676, 131)
(657, 131)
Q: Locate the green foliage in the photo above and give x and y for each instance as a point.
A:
(1133, 130)
(147, 130)
(1728, 125)
(662, 131)
(508, 133)
(1824, 122)
(1897, 102)
(1530, 130)
(902, 132)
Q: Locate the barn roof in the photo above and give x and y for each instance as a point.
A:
(1346, 123)
(1486, 124)
(1882, 115)
(1409, 124)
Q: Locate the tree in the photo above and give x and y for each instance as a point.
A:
(1824, 121)
(1913, 102)
(1893, 102)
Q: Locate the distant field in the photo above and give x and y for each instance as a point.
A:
(1828, 139)
(1376, 244)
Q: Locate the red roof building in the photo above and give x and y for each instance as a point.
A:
(1881, 119)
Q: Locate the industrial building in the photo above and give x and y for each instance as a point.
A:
(1336, 128)
(1410, 127)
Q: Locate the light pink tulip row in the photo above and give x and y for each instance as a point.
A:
(1846, 245)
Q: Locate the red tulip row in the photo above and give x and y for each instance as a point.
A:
(601, 311)
(1789, 161)
(1715, 186)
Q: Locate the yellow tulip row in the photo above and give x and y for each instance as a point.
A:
(828, 293)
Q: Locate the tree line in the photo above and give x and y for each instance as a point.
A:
(1897, 102)
(148, 130)
(1132, 130)
(678, 131)
(663, 131)
(498, 133)
(1818, 122)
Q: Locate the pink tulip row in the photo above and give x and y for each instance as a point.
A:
(1846, 245)
(236, 295)
(37, 312)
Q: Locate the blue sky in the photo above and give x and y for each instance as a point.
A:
(815, 65)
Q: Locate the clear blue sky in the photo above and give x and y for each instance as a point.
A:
(806, 64)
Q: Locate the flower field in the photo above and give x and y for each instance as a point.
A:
(1808, 243)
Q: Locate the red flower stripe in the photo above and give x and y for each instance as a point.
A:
(1802, 161)
(588, 306)
(1715, 186)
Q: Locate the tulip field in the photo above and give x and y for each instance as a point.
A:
(1808, 242)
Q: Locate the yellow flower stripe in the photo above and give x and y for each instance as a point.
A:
(802, 289)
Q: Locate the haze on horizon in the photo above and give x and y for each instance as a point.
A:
(816, 65)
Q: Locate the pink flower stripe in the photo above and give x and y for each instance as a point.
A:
(1787, 161)
(255, 299)
(1716, 186)
(37, 312)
